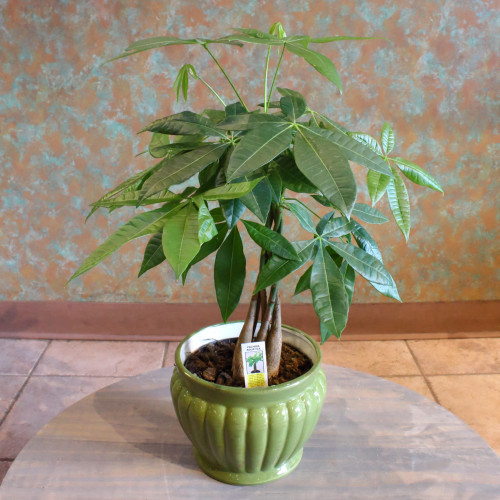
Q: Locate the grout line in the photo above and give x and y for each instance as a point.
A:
(434, 395)
(19, 392)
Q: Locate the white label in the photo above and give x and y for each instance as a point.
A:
(254, 364)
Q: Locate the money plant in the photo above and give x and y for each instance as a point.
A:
(249, 163)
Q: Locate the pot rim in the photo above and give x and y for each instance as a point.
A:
(255, 392)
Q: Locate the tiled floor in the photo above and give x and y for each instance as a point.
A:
(38, 378)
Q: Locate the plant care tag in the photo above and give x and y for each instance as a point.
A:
(254, 364)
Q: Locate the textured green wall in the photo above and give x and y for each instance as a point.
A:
(68, 131)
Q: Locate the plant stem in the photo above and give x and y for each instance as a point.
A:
(227, 77)
(304, 205)
(275, 75)
(212, 90)
(266, 104)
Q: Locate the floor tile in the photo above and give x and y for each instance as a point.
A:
(9, 387)
(4, 467)
(450, 356)
(383, 358)
(473, 398)
(100, 358)
(170, 357)
(41, 400)
(415, 383)
(17, 357)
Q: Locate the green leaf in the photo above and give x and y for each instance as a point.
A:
(349, 276)
(416, 174)
(400, 204)
(354, 150)
(156, 145)
(387, 138)
(363, 263)
(242, 37)
(131, 198)
(289, 92)
(377, 185)
(230, 191)
(329, 296)
(152, 43)
(140, 225)
(365, 241)
(258, 200)
(367, 140)
(207, 229)
(326, 123)
(229, 273)
(233, 210)
(180, 168)
(185, 123)
(304, 282)
(180, 238)
(274, 179)
(153, 254)
(216, 115)
(278, 268)
(270, 240)
(291, 177)
(292, 106)
(302, 215)
(318, 61)
(328, 39)
(208, 248)
(160, 151)
(257, 148)
(336, 227)
(327, 168)
(251, 120)
(368, 214)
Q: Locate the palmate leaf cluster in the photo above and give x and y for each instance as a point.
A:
(252, 162)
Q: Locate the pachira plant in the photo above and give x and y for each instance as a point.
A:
(249, 164)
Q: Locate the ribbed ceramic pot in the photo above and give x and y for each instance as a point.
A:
(247, 436)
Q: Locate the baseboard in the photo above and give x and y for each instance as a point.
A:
(157, 321)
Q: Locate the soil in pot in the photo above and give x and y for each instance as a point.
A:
(213, 362)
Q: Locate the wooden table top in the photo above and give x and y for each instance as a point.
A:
(375, 439)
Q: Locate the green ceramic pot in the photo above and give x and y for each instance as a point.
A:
(247, 436)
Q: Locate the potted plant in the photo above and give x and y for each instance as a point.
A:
(248, 162)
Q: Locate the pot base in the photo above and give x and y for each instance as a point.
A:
(249, 478)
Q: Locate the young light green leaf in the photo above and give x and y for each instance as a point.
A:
(400, 204)
(229, 273)
(329, 296)
(153, 254)
(318, 61)
(257, 148)
(367, 140)
(180, 238)
(278, 268)
(377, 184)
(233, 210)
(416, 174)
(327, 168)
(368, 214)
(354, 150)
(230, 191)
(180, 168)
(363, 263)
(292, 106)
(140, 225)
(156, 145)
(259, 199)
(270, 240)
(302, 215)
(207, 229)
(184, 123)
(304, 282)
(387, 138)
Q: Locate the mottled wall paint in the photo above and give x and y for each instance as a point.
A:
(68, 130)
